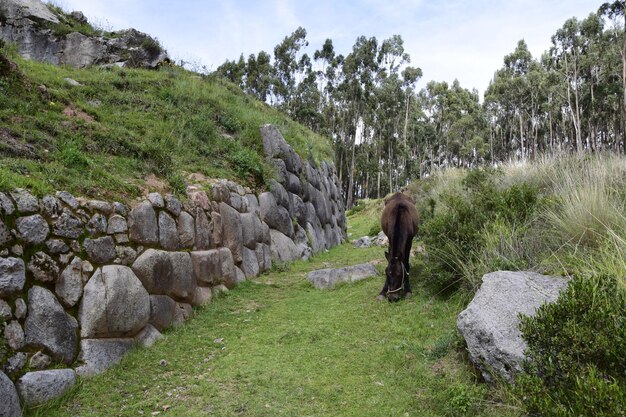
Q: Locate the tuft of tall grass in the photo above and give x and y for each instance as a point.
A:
(563, 214)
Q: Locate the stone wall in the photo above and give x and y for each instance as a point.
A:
(83, 281)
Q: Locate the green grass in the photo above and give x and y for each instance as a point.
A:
(277, 346)
(105, 137)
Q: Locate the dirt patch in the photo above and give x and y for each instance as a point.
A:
(74, 113)
(12, 145)
(153, 184)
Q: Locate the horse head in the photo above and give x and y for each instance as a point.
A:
(396, 275)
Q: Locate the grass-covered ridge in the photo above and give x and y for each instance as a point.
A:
(105, 136)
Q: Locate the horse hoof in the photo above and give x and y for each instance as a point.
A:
(408, 295)
(380, 297)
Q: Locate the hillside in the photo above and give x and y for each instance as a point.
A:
(117, 132)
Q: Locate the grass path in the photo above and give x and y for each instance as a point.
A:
(277, 346)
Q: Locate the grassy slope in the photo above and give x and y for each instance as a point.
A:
(105, 137)
(289, 349)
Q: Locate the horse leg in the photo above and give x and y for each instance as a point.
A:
(383, 293)
(407, 254)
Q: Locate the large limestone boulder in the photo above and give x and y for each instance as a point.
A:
(162, 311)
(490, 323)
(32, 230)
(207, 267)
(232, 233)
(39, 387)
(328, 278)
(10, 404)
(166, 273)
(283, 248)
(277, 217)
(99, 354)
(114, 304)
(142, 224)
(49, 326)
(19, 9)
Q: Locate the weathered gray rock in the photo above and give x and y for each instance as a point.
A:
(216, 226)
(148, 336)
(117, 224)
(380, 239)
(5, 311)
(114, 304)
(10, 404)
(232, 234)
(5, 234)
(20, 309)
(183, 313)
(142, 224)
(6, 205)
(121, 209)
(162, 311)
(229, 275)
(12, 276)
(14, 365)
(207, 267)
(67, 225)
(100, 206)
(32, 230)
(253, 204)
(186, 230)
(68, 199)
(14, 335)
(328, 278)
(39, 387)
(100, 250)
(203, 296)
(56, 246)
(43, 267)
(167, 273)
(168, 233)
(97, 224)
(51, 206)
(173, 205)
(69, 286)
(283, 248)
(125, 255)
(362, 242)
(250, 263)
(156, 200)
(19, 9)
(25, 201)
(490, 323)
(100, 354)
(39, 361)
(264, 257)
(276, 217)
(49, 326)
(203, 230)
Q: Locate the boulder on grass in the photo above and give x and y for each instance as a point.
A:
(490, 323)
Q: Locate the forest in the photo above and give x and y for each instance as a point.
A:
(387, 133)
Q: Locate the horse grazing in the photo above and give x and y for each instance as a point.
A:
(399, 222)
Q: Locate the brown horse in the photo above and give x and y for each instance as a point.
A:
(400, 222)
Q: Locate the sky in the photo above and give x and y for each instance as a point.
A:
(448, 39)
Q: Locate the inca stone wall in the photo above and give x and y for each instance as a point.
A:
(83, 281)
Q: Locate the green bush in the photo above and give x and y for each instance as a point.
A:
(455, 235)
(576, 351)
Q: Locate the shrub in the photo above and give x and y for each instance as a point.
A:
(456, 237)
(576, 351)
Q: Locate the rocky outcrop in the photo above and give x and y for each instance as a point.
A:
(490, 323)
(40, 34)
(327, 278)
(126, 273)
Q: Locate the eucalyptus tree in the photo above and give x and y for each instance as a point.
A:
(288, 66)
